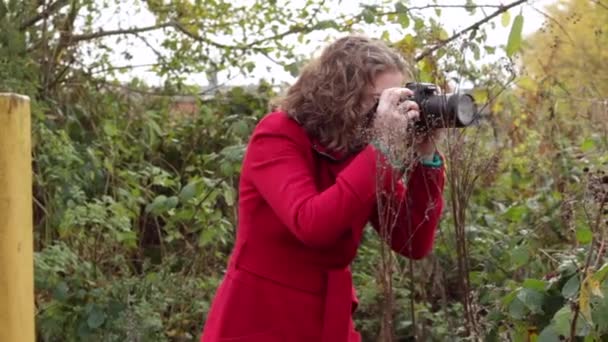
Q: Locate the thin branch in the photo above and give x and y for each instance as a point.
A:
(157, 53)
(474, 26)
(294, 29)
(435, 6)
(199, 38)
(102, 33)
(577, 307)
(52, 8)
(125, 67)
(556, 22)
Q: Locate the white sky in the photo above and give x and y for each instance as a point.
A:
(453, 19)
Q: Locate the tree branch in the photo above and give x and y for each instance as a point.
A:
(292, 30)
(102, 33)
(197, 37)
(465, 6)
(556, 22)
(476, 25)
(124, 67)
(44, 14)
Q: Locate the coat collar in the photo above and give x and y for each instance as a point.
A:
(322, 150)
(334, 156)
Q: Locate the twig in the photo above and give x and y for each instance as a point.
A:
(474, 26)
(556, 22)
(577, 307)
(134, 30)
(46, 12)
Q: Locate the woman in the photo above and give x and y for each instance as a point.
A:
(316, 171)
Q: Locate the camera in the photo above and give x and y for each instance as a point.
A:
(441, 111)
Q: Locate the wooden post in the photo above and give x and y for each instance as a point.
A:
(16, 221)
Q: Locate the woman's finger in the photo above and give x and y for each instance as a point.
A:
(409, 109)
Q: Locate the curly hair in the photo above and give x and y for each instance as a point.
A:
(327, 98)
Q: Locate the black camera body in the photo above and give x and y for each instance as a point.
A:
(442, 111)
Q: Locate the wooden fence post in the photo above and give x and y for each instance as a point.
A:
(16, 222)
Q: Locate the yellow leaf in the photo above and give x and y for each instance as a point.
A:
(526, 83)
(480, 95)
(505, 19)
(595, 287)
(589, 287)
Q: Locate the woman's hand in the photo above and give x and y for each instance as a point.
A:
(395, 111)
(393, 117)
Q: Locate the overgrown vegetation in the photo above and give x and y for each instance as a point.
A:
(135, 206)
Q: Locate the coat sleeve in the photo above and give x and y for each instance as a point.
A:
(407, 217)
(278, 166)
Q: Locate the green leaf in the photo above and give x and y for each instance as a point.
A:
(400, 7)
(517, 309)
(233, 153)
(587, 145)
(292, 68)
(514, 42)
(584, 235)
(591, 338)
(476, 52)
(532, 299)
(61, 291)
(171, 202)
(600, 314)
(561, 320)
(505, 19)
(404, 20)
(548, 335)
(96, 317)
(489, 49)
(157, 204)
(229, 195)
(206, 236)
(249, 66)
(110, 129)
(535, 284)
(368, 16)
(188, 192)
(601, 274)
(516, 213)
(571, 287)
(240, 128)
(520, 255)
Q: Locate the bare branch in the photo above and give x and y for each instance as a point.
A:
(435, 6)
(556, 22)
(102, 33)
(52, 8)
(199, 38)
(125, 67)
(474, 26)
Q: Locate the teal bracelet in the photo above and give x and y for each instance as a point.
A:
(435, 163)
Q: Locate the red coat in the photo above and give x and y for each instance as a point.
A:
(302, 211)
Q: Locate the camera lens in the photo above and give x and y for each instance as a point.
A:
(465, 110)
